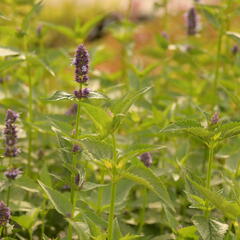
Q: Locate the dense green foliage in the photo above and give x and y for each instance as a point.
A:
(174, 95)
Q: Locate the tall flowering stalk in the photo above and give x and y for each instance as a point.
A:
(81, 63)
(11, 150)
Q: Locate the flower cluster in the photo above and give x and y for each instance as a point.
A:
(12, 174)
(146, 158)
(4, 214)
(81, 93)
(81, 62)
(10, 133)
(192, 21)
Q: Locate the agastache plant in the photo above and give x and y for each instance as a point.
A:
(81, 63)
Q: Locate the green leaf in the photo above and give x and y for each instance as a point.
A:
(100, 118)
(28, 18)
(233, 35)
(98, 149)
(136, 150)
(211, 13)
(117, 234)
(154, 183)
(61, 29)
(60, 95)
(122, 105)
(81, 229)
(229, 129)
(89, 213)
(4, 51)
(210, 229)
(229, 209)
(27, 184)
(96, 95)
(188, 232)
(190, 127)
(8, 63)
(27, 221)
(60, 202)
(44, 176)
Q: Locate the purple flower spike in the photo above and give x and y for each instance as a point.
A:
(146, 158)
(4, 214)
(81, 63)
(10, 133)
(192, 21)
(12, 174)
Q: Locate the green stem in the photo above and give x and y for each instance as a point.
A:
(112, 207)
(8, 195)
(30, 234)
(210, 162)
(30, 101)
(209, 171)
(217, 68)
(237, 169)
(43, 218)
(74, 165)
(143, 210)
(113, 191)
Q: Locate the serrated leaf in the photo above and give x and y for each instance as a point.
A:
(229, 209)
(210, 229)
(229, 129)
(60, 202)
(154, 183)
(136, 150)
